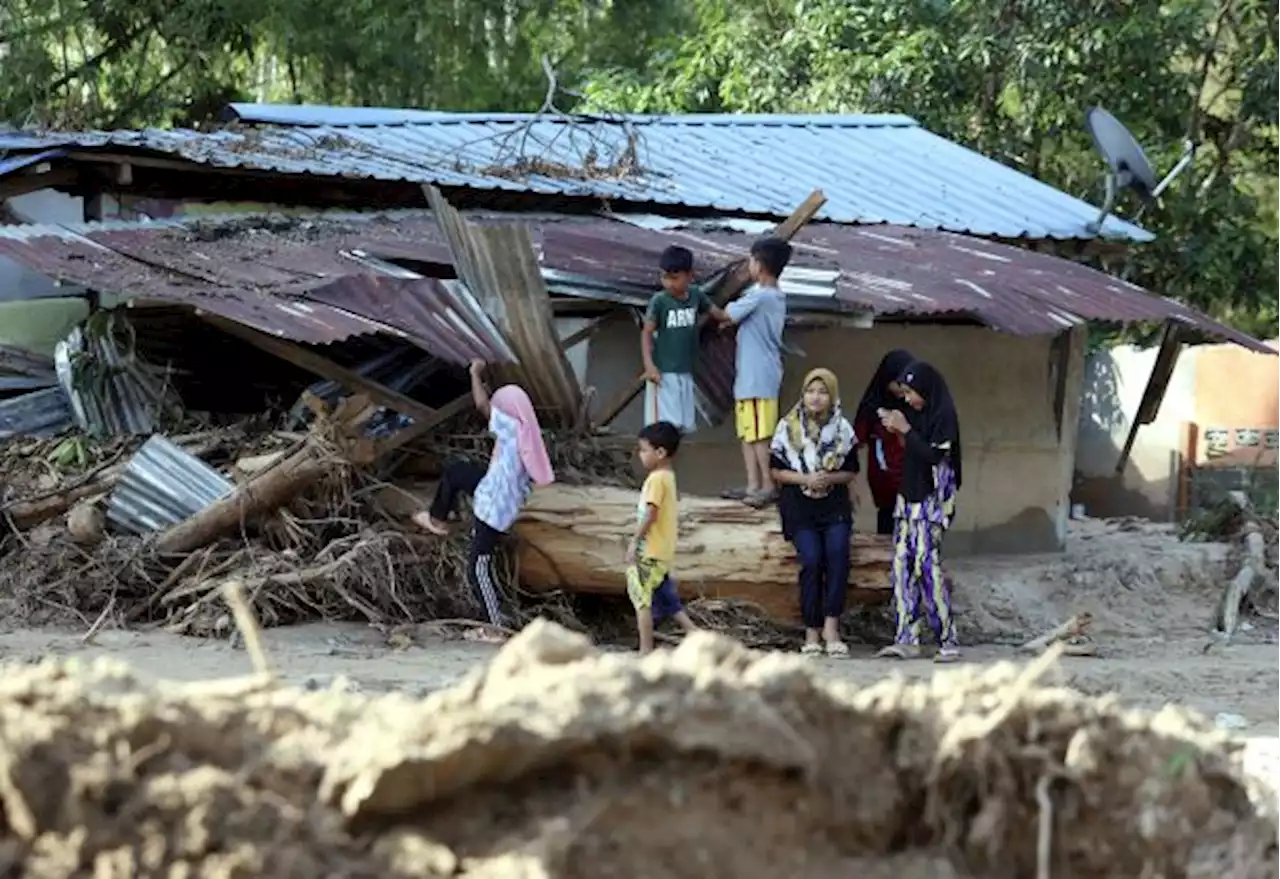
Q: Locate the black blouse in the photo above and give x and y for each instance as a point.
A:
(800, 512)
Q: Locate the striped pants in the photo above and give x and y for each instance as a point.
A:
(484, 541)
(461, 478)
(920, 588)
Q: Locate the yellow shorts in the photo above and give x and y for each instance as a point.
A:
(756, 420)
(649, 586)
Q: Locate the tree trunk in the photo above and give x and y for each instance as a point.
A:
(573, 538)
(265, 493)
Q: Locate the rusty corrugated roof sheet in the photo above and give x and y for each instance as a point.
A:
(903, 272)
(895, 271)
(288, 287)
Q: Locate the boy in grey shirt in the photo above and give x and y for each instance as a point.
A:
(760, 315)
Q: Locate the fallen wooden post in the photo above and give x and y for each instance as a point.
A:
(1072, 635)
(573, 539)
(279, 484)
(262, 494)
(1253, 567)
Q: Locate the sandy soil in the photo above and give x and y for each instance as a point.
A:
(1152, 598)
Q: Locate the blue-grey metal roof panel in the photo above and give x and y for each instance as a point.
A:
(872, 169)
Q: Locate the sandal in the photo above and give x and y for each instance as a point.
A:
(899, 651)
(424, 521)
(837, 650)
(946, 655)
(735, 494)
(760, 499)
(811, 649)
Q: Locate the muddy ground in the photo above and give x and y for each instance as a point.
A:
(1151, 596)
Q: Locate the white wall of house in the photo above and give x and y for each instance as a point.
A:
(1212, 387)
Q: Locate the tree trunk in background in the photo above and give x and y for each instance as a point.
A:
(573, 538)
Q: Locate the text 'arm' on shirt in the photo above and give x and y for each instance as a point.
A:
(741, 308)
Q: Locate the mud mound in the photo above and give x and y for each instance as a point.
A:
(555, 760)
(1136, 578)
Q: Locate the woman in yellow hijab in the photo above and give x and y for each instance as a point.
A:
(813, 461)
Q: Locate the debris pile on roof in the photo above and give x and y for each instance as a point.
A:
(559, 760)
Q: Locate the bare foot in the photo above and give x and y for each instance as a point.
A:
(424, 521)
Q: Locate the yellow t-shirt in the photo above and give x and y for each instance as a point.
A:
(659, 491)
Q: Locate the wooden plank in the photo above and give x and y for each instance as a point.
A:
(589, 330)
(418, 428)
(325, 368)
(1153, 396)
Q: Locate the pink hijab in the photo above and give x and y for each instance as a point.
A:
(512, 401)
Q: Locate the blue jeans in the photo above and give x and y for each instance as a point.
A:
(824, 571)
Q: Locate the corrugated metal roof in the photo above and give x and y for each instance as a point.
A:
(893, 271)
(873, 169)
(40, 413)
(498, 264)
(902, 272)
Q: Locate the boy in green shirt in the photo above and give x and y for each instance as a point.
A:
(669, 341)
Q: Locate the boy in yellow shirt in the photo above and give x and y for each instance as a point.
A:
(653, 547)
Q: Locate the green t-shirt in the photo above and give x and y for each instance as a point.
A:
(675, 340)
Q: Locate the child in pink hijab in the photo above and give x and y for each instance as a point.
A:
(518, 461)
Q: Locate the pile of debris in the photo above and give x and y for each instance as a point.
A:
(361, 388)
(556, 760)
(129, 532)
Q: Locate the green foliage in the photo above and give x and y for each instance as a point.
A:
(119, 63)
(1012, 80)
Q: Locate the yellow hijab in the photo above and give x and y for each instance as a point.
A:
(820, 444)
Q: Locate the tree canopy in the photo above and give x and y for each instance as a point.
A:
(1010, 78)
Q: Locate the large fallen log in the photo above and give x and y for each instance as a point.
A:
(573, 538)
(264, 493)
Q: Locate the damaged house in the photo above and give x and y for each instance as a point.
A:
(380, 250)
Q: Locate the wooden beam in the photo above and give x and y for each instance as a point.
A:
(420, 427)
(589, 329)
(21, 184)
(732, 285)
(1153, 396)
(739, 278)
(325, 368)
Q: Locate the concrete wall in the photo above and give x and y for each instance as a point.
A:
(1017, 472)
(1214, 387)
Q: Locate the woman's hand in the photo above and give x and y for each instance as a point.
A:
(895, 421)
(816, 484)
(477, 367)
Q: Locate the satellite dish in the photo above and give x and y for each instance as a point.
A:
(1127, 164)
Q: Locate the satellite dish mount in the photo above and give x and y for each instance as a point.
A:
(1127, 165)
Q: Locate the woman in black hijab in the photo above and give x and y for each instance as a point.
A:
(932, 470)
(884, 448)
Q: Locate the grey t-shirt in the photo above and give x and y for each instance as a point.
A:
(760, 314)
